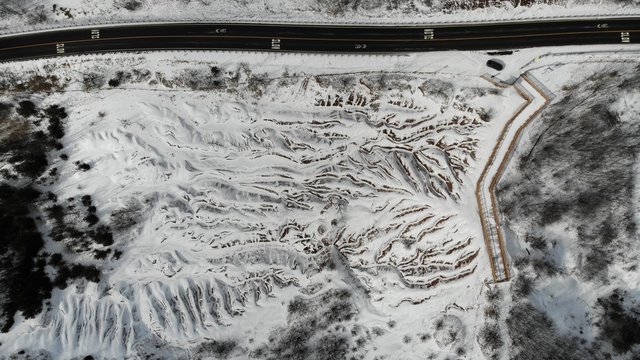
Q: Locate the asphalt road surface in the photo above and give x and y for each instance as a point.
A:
(318, 38)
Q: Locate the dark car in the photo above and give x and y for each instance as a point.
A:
(495, 64)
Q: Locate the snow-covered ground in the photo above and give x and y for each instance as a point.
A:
(27, 15)
(246, 191)
(576, 261)
(290, 175)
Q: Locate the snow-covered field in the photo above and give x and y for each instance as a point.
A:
(27, 15)
(290, 206)
(570, 201)
(258, 183)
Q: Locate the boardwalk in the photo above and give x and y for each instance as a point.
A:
(536, 99)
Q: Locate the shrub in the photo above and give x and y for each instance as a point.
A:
(536, 242)
(391, 324)
(489, 336)
(494, 294)
(127, 216)
(86, 200)
(55, 259)
(198, 79)
(20, 243)
(56, 130)
(219, 349)
(55, 111)
(76, 271)
(56, 213)
(31, 161)
(102, 235)
(131, 5)
(607, 233)
(533, 336)
(101, 254)
(338, 7)
(120, 78)
(522, 286)
(140, 75)
(84, 166)
(492, 311)
(91, 219)
(28, 154)
(449, 329)
(553, 211)
(544, 265)
(589, 154)
(26, 108)
(298, 306)
(309, 320)
(597, 261)
(5, 110)
(330, 347)
(483, 114)
(39, 83)
(619, 325)
(92, 81)
(37, 15)
(257, 84)
(27, 150)
(55, 114)
(52, 197)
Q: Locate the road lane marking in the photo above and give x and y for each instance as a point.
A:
(325, 39)
(625, 37)
(428, 34)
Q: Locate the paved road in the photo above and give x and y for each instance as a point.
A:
(318, 38)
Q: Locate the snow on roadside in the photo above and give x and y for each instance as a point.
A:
(45, 14)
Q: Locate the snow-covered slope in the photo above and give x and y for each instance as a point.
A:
(570, 201)
(287, 206)
(27, 15)
(255, 186)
